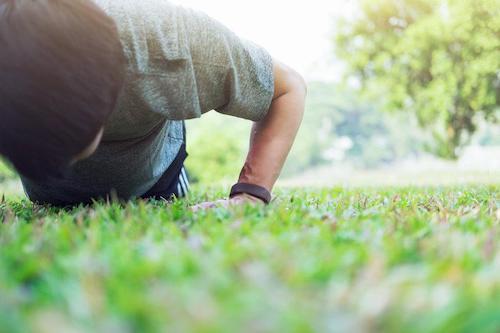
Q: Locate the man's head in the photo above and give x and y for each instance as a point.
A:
(61, 70)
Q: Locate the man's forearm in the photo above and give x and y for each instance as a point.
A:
(273, 137)
(270, 141)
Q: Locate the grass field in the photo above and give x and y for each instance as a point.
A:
(346, 260)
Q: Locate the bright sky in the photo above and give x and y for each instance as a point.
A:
(295, 32)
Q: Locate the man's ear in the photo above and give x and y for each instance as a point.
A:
(91, 148)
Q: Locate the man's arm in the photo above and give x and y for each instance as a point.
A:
(272, 137)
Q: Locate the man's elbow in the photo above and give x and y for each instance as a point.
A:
(297, 82)
(287, 80)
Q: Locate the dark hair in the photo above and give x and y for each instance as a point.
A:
(61, 70)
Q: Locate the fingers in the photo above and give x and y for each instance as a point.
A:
(209, 205)
(226, 203)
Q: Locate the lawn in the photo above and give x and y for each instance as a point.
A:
(347, 260)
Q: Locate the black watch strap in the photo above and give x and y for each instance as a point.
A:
(254, 190)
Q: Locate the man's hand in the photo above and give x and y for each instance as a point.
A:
(237, 200)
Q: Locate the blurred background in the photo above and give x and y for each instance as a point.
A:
(400, 92)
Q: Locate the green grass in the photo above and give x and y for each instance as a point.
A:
(347, 260)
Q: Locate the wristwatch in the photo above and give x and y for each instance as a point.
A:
(253, 190)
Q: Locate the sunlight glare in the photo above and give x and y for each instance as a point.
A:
(295, 32)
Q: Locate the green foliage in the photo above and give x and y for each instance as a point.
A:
(335, 113)
(6, 171)
(217, 145)
(370, 260)
(439, 59)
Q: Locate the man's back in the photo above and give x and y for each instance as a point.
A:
(180, 64)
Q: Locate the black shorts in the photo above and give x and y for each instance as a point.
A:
(174, 183)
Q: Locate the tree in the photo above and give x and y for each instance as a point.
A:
(342, 128)
(437, 58)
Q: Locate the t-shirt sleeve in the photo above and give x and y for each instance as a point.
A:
(234, 76)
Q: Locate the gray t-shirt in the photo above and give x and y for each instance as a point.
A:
(181, 64)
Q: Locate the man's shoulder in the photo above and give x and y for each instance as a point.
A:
(141, 17)
(136, 8)
(149, 30)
